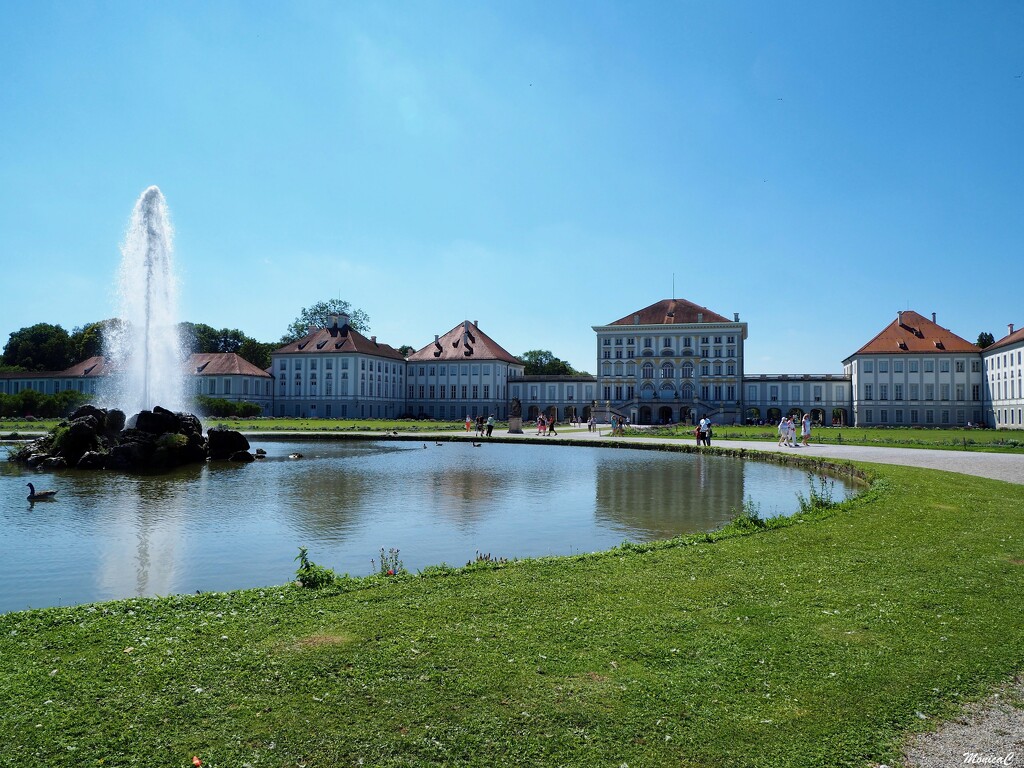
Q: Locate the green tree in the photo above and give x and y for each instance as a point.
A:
(986, 339)
(541, 362)
(319, 315)
(89, 340)
(406, 350)
(257, 352)
(39, 347)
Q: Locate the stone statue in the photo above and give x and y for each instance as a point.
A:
(517, 407)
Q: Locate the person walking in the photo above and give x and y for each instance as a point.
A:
(805, 430)
(551, 426)
(783, 431)
(490, 424)
(468, 422)
(705, 431)
(791, 434)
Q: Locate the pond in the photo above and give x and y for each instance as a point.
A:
(226, 526)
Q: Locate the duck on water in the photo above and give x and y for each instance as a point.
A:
(34, 495)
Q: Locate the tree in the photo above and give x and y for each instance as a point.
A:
(257, 353)
(986, 339)
(88, 340)
(40, 347)
(541, 362)
(319, 316)
(406, 350)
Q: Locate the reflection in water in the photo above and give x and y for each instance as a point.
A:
(687, 497)
(224, 526)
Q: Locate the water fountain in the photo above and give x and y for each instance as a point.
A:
(145, 350)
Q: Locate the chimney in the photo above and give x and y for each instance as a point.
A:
(636, 319)
(933, 317)
(899, 318)
(700, 317)
(476, 323)
(332, 321)
(1009, 329)
(735, 317)
(373, 339)
(437, 339)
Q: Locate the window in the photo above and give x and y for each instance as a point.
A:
(476, 394)
(883, 391)
(945, 393)
(914, 392)
(817, 393)
(960, 391)
(883, 366)
(869, 366)
(774, 392)
(929, 391)
(667, 371)
(648, 371)
(884, 416)
(976, 391)
(606, 342)
(960, 366)
(869, 415)
(897, 366)
(943, 366)
(752, 392)
(976, 365)
(913, 416)
(868, 392)
(914, 367)
(463, 391)
(487, 391)
(929, 366)
(897, 391)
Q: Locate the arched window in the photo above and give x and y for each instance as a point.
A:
(667, 371)
(618, 369)
(606, 369)
(687, 393)
(648, 372)
(687, 371)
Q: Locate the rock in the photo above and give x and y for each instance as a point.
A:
(159, 421)
(224, 442)
(92, 460)
(35, 459)
(115, 421)
(54, 462)
(241, 456)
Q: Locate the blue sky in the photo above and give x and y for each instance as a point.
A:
(539, 167)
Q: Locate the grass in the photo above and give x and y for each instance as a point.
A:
(807, 643)
(991, 440)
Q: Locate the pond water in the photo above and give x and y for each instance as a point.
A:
(224, 526)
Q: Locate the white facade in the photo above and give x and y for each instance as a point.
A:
(827, 397)
(672, 362)
(1004, 381)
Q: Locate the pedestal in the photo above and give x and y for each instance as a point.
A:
(515, 425)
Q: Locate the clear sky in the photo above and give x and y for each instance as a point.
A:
(539, 167)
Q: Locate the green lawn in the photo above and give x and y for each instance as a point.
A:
(815, 643)
(1009, 441)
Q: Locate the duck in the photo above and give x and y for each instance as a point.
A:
(34, 495)
(424, 445)
(477, 445)
(438, 444)
(294, 455)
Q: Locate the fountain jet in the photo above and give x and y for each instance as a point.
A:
(145, 350)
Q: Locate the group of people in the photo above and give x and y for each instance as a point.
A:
(703, 431)
(787, 431)
(484, 427)
(545, 425)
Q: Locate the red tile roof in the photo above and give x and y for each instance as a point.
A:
(671, 311)
(341, 339)
(911, 333)
(222, 364)
(1011, 338)
(93, 366)
(465, 342)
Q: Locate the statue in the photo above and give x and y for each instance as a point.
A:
(515, 417)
